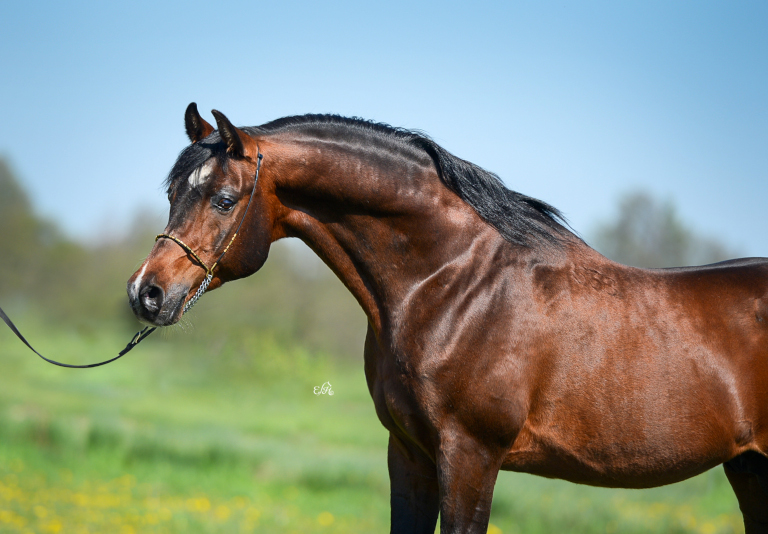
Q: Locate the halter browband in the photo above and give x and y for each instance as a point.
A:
(140, 335)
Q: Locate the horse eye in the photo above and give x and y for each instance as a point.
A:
(225, 204)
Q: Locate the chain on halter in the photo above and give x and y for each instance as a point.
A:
(140, 335)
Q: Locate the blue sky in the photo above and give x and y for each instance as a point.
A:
(575, 103)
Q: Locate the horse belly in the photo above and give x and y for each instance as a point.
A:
(641, 439)
(616, 465)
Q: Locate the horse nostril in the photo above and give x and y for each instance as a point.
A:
(151, 298)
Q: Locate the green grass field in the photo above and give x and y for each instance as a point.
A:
(196, 433)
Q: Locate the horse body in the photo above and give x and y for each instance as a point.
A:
(486, 349)
(583, 377)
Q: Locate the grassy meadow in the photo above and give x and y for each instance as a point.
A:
(191, 434)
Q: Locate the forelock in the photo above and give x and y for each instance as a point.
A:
(193, 156)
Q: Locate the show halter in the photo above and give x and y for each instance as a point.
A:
(139, 336)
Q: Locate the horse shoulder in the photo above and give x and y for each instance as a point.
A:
(450, 354)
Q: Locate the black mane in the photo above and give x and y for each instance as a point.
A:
(520, 219)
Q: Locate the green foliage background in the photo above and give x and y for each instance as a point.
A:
(213, 425)
(649, 233)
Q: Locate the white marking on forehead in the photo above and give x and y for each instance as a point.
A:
(200, 175)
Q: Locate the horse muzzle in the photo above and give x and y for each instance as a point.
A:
(154, 305)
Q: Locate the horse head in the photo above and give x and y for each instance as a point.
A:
(219, 223)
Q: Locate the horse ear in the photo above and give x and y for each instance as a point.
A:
(231, 135)
(197, 127)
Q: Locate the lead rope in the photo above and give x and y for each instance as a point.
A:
(146, 331)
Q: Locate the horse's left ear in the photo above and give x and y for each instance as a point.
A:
(197, 127)
(234, 137)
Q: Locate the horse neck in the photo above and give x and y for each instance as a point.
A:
(382, 223)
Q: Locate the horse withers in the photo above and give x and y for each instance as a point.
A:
(497, 339)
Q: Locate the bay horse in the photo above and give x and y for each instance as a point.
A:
(497, 339)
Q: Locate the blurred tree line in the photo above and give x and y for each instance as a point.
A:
(649, 233)
(35, 256)
(295, 298)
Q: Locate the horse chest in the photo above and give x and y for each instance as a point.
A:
(398, 404)
(420, 403)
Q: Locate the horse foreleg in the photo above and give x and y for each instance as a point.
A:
(414, 490)
(467, 473)
(748, 475)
